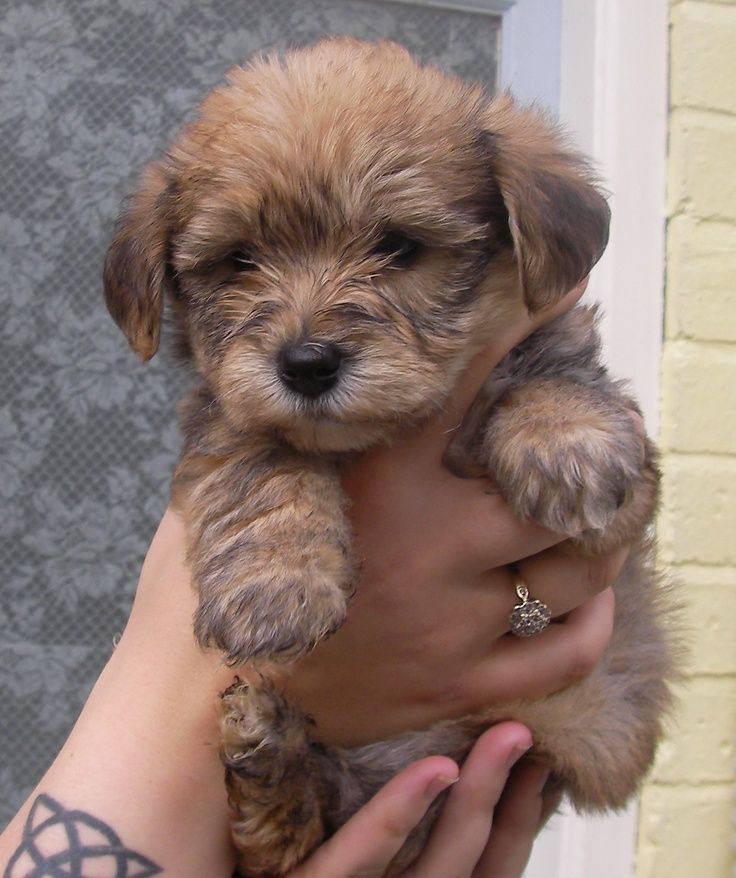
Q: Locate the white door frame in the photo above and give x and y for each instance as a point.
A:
(613, 98)
(611, 93)
(614, 94)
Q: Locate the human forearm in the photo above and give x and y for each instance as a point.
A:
(146, 765)
(142, 757)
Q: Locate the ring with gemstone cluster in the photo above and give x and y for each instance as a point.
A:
(530, 616)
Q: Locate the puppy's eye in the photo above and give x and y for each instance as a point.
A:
(402, 252)
(243, 260)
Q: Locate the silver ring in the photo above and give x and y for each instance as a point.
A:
(530, 617)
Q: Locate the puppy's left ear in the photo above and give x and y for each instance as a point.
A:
(136, 266)
(558, 218)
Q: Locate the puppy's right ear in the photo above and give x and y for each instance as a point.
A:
(136, 266)
(558, 217)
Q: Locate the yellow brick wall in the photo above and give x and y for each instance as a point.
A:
(687, 812)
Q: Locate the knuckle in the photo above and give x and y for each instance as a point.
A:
(582, 662)
(397, 826)
(601, 574)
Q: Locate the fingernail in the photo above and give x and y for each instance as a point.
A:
(438, 784)
(542, 781)
(516, 754)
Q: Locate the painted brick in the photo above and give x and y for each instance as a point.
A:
(699, 414)
(686, 814)
(701, 280)
(701, 746)
(703, 56)
(699, 510)
(709, 616)
(702, 181)
(686, 832)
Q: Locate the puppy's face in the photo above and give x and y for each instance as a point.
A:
(339, 233)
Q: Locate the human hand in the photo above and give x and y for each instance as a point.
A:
(427, 633)
(487, 825)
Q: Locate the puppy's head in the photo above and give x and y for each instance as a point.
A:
(341, 230)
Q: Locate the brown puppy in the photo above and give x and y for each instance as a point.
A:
(337, 234)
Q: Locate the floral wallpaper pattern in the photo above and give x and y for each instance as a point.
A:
(90, 90)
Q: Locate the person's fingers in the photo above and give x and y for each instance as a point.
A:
(533, 667)
(480, 531)
(461, 833)
(552, 796)
(477, 528)
(563, 578)
(515, 824)
(368, 842)
(457, 521)
(559, 576)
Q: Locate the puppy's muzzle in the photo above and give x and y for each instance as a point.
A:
(310, 368)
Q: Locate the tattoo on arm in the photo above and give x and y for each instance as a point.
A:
(61, 843)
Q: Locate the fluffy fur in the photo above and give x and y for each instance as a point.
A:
(346, 208)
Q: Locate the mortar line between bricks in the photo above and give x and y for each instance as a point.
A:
(703, 111)
(724, 458)
(685, 208)
(713, 3)
(720, 456)
(704, 341)
(694, 569)
(718, 565)
(707, 675)
(724, 343)
(727, 222)
(698, 784)
(679, 114)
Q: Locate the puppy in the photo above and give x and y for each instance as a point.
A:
(336, 235)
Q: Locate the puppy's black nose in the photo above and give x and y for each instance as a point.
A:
(311, 368)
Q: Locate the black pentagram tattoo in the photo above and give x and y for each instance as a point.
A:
(59, 843)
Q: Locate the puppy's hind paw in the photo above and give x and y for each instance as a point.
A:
(257, 723)
(274, 784)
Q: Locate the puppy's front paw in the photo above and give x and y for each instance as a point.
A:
(570, 467)
(274, 608)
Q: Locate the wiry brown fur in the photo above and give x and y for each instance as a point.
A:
(272, 222)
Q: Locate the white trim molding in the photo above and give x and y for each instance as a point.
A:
(492, 7)
(613, 98)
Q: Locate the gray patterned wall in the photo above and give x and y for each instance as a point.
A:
(90, 90)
